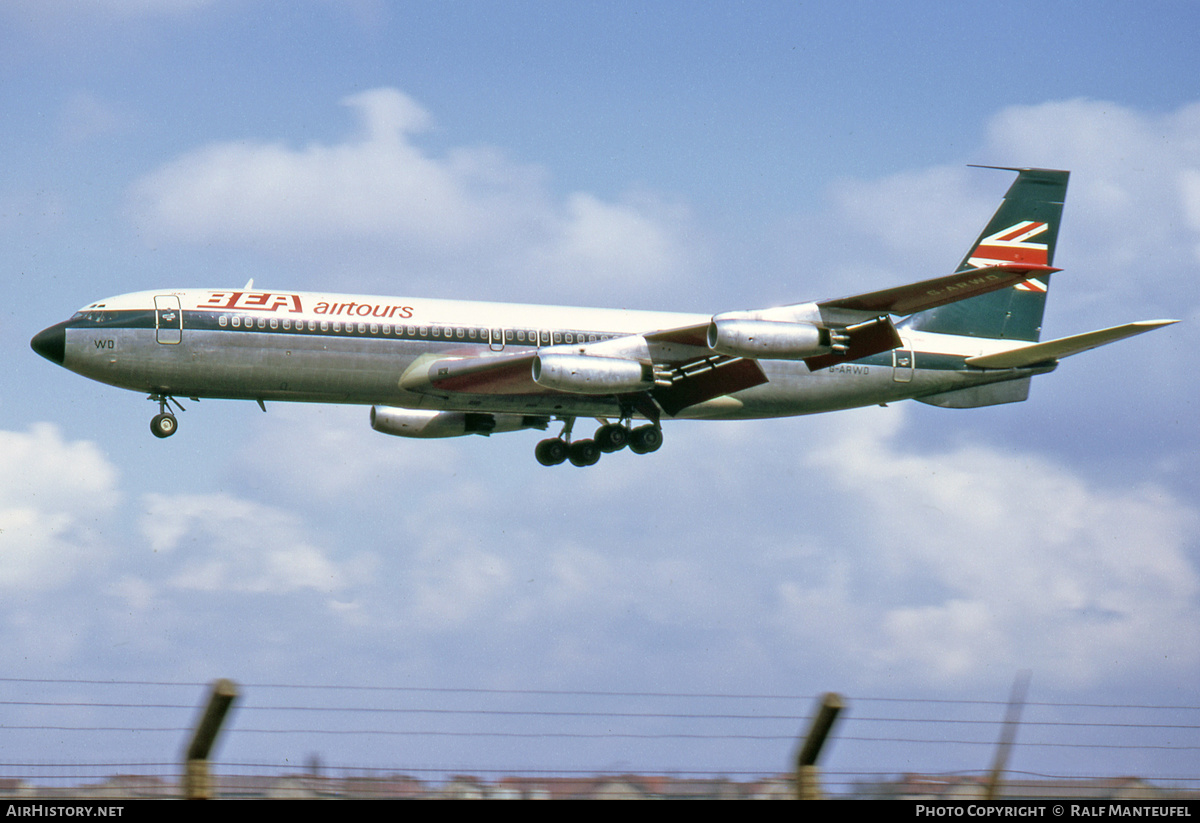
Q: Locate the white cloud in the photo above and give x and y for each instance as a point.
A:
(1131, 225)
(923, 216)
(52, 493)
(1128, 207)
(222, 543)
(825, 540)
(471, 209)
(977, 558)
(619, 244)
(456, 586)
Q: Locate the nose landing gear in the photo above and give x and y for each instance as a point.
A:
(164, 423)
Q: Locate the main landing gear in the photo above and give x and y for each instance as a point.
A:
(164, 423)
(609, 438)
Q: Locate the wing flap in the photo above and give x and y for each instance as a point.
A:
(1064, 346)
(872, 337)
(704, 380)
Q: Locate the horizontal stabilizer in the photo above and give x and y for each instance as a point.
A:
(1064, 346)
(939, 291)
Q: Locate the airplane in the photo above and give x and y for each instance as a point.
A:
(443, 368)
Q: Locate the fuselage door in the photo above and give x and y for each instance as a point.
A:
(497, 340)
(168, 318)
(903, 363)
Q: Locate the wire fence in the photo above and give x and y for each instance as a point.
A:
(306, 740)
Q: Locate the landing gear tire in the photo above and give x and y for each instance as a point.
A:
(164, 425)
(645, 439)
(551, 452)
(612, 437)
(584, 453)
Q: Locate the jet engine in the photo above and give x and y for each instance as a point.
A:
(586, 374)
(771, 339)
(426, 424)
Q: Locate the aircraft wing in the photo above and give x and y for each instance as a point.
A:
(1064, 346)
(510, 373)
(929, 294)
(684, 375)
(863, 334)
(685, 371)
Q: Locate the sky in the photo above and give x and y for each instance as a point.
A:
(646, 156)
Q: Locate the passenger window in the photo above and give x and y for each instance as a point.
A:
(222, 321)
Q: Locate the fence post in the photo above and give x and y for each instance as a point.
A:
(197, 782)
(808, 779)
(1008, 733)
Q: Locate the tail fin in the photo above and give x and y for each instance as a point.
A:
(1023, 230)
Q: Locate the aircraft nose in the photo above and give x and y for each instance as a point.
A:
(51, 343)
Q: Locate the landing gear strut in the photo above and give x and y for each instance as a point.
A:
(164, 423)
(609, 438)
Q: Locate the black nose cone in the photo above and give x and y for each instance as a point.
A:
(51, 343)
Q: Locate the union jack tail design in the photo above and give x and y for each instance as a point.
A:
(1011, 245)
(1034, 285)
(1024, 230)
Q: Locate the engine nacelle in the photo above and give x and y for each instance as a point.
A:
(770, 339)
(586, 374)
(425, 423)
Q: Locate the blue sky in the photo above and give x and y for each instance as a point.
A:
(660, 156)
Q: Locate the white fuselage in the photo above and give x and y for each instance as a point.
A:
(316, 347)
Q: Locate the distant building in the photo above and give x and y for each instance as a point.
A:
(15, 788)
(953, 788)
